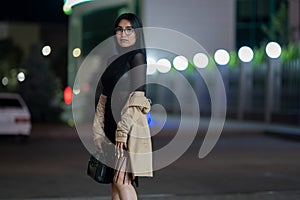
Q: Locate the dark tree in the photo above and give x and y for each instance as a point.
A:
(40, 89)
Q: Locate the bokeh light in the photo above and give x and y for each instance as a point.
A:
(76, 89)
(180, 63)
(151, 66)
(200, 60)
(46, 50)
(245, 54)
(68, 95)
(273, 50)
(4, 81)
(163, 65)
(76, 52)
(67, 9)
(222, 57)
(21, 76)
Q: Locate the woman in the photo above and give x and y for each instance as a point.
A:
(122, 107)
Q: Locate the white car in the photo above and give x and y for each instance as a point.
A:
(15, 118)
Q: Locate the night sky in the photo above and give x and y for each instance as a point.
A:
(33, 11)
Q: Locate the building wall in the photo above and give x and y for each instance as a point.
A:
(24, 34)
(209, 22)
(293, 10)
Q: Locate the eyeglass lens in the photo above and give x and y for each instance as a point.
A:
(127, 30)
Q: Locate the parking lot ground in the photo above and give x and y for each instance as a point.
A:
(246, 164)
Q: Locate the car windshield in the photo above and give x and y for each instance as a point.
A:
(5, 103)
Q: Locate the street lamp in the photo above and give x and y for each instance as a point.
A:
(273, 83)
(222, 58)
(245, 55)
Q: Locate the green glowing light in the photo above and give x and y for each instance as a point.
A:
(68, 4)
(67, 10)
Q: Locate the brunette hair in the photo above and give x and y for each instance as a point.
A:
(136, 23)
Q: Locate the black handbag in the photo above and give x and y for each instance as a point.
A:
(99, 171)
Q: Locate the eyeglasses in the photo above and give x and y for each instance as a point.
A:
(128, 30)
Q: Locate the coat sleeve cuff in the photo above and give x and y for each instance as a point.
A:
(121, 137)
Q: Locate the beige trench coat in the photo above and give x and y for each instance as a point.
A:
(134, 129)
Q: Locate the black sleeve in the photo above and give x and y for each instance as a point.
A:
(138, 74)
(105, 90)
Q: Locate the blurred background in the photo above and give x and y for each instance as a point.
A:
(26, 27)
(44, 43)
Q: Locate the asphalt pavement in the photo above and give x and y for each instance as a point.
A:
(251, 160)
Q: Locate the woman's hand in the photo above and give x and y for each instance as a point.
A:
(120, 147)
(99, 142)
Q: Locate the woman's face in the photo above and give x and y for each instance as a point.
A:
(125, 34)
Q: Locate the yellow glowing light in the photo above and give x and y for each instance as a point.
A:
(76, 52)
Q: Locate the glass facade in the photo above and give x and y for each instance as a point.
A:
(251, 16)
(97, 26)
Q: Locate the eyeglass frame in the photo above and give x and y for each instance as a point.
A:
(119, 30)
